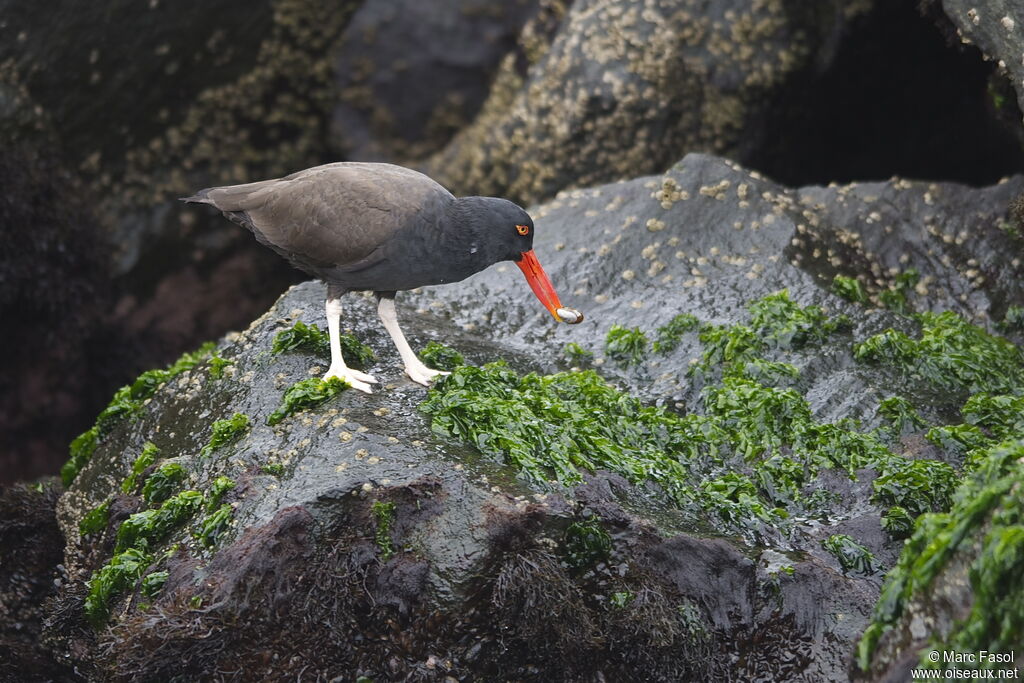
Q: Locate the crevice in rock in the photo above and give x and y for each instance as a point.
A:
(897, 99)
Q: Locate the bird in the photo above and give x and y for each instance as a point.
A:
(362, 226)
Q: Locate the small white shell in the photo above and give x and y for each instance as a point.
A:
(569, 315)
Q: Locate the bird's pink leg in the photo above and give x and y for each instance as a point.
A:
(414, 367)
(358, 380)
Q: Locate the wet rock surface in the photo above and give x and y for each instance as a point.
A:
(361, 542)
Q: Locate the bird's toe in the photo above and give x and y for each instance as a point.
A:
(362, 376)
(351, 377)
(421, 374)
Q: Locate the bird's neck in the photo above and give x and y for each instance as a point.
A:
(466, 231)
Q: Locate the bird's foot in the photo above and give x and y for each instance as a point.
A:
(421, 374)
(354, 378)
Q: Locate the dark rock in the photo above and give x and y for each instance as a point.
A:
(411, 73)
(373, 545)
(30, 555)
(995, 27)
(56, 350)
(624, 90)
(95, 157)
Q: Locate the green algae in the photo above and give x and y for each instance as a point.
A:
(1000, 416)
(302, 337)
(951, 354)
(217, 365)
(586, 544)
(384, 518)
(745, 458)
(312, 339)
(901, 415)
(986, 520)
(576, 354)
(896, 298)
(898, 522)
(958, 439)
(626, 346)
(220, 486)
(440, 357)
(850, 289)
(144, 530)
(213, 526)
(785, 324)
(153, 583)
(306, 393)
(161, 484)
(80, 450)
(776, 322)
(668, 336)
(226, 431)
(146, 458)
(1013, 320)
(852, 556)
(126, 403)
(274, 468)
(95, 520)
(123, 570)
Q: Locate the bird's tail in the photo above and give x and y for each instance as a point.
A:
(201, 197)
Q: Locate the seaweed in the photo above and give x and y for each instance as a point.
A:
(153, 583)
(116, 576)
(586, 544)
(901, 415)
(220, 486)
(852, 556)
(306, 393)
(214, 525)
(226, 431)
(626, 346)
(95, 520)
(441, 357)
(850, 289)
(146, 458)
(161, 483)
(127, 402)
(668, 336)
(576, 354)
(745, 460)
(987, 515)
(384, 516)
(143, 530)
(951, 353)
(312, 339)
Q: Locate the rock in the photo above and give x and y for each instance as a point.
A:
(30, 556)
(358, 537)
(995, 28)
(624, 90)
(412, 74)
(52, 296)
(116, 153)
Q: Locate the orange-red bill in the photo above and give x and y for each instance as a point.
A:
(545, 291)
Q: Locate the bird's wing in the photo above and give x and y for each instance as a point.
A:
(334, 215)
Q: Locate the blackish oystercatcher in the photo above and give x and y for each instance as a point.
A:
(383, 228)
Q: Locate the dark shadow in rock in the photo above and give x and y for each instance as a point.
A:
(897, 99)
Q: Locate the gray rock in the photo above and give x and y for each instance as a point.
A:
(478, 584)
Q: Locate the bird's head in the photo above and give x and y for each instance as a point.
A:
(512, 228)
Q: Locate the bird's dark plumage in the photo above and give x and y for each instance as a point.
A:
(362, 226)
(365, 226)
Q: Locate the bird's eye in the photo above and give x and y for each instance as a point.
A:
(523, 229)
